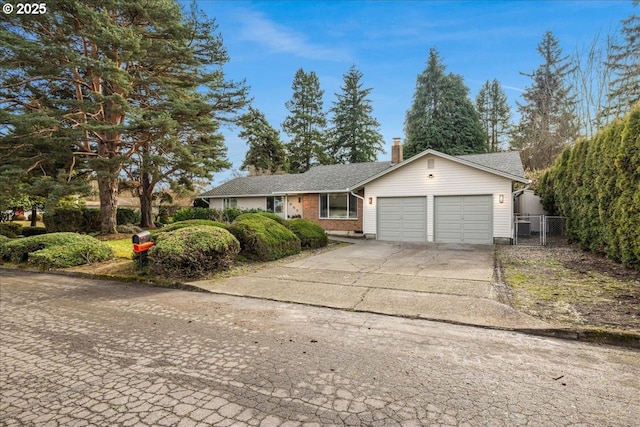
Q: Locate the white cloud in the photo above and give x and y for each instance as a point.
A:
(257, 28)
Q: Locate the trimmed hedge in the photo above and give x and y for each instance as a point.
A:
(277, 218)
(189, 223)
(596, 185)
(311, 235)
(264, 239)
(192, 252)
(56, 250)
(78, 220)
(126, 216)
(227, 215)
(10, 229)
(33, 231)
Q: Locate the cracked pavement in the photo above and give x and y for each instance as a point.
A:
(80, 352)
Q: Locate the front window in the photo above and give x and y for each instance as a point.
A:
(230, 203)
(338, 206)
(275, 204)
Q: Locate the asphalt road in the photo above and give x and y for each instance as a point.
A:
(79, 352)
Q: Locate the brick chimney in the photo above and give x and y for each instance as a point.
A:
(396, 151)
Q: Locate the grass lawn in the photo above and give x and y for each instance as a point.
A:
(121, 247)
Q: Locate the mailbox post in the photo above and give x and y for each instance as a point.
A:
(141, 244)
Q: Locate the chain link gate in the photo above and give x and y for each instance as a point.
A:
(539, 230)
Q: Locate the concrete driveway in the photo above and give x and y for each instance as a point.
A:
(447, 282)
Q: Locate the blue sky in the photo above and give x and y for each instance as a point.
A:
(389, 41)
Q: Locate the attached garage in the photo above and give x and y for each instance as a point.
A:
(402, 219)
(463, 219)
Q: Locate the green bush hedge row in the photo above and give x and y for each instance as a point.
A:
(596, 185)
(192, 252)
(84, 220)
(189, 223)
(10, 229)
(262, 238)
(227, 215)
(55, 250)
(311, 235)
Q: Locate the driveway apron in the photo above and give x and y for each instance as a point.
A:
(445, 282)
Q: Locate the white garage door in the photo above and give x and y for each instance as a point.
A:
(463, 219)
(402, 219)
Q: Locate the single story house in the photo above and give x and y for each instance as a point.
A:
(430, 197)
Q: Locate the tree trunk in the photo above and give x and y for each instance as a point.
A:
(108, 191)
(34, 214)
(146, 210)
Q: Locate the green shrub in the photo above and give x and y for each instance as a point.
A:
(311, 235)
(276, 218)
(125, 216)
(56, 250)
(10, 229)
(78, 220)
(595, 184)
(3, 239)
(33, 231)
(189, 223)
(192, 252)
(263, 238)
(196, 213)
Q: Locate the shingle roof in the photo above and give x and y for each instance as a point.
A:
(504, 161)
(317, 179)
(338, 178)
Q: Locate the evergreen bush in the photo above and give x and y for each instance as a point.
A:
(262, 238)
(596, 185)
(56, 250)
(189, 223)
(10, 229)
(192, 252)
(277, 218)
(33, 231)
(78, 220)
(126, 216)
(311, 235)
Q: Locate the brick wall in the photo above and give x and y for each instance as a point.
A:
(311, 210)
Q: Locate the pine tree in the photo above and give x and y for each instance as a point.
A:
(624, 60)
(267, 154)
(306, 123)
(102, 77)
(547, 120)
(495, 115)
(354, 136)
(442, 116)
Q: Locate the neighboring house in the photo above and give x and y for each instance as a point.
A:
(431, 197)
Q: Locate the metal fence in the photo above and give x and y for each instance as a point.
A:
(539, 230)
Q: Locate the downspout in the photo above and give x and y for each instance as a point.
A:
(361, 198)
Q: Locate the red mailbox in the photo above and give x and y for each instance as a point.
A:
(141, 242)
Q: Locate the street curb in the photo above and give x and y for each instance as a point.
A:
(590, 335)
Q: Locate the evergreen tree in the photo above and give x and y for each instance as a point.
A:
(624, 60)
(98, 77)
(267, 154)
(495, 115)
(354, 136)
(547, 120)
(442, 116)
(306, 123)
